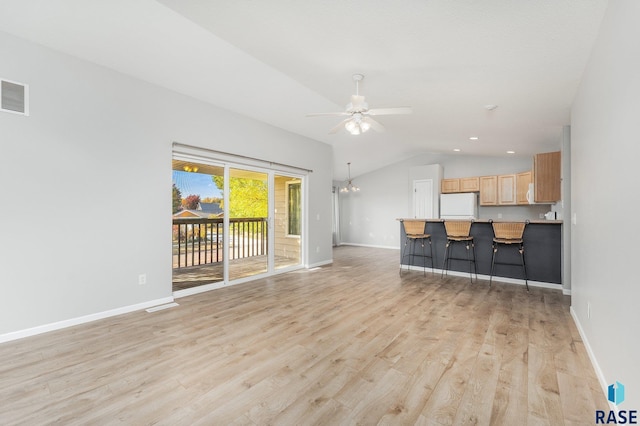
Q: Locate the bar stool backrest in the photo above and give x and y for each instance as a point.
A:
(413, 227)
(458, 228)
(508, 230)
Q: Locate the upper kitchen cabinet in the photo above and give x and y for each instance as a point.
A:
(449, 186)
(488, 190)
(547, 176)
(507, 189)
(522, 187)
(466, 184)
(470, 184)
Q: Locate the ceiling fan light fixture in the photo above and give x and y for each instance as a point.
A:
(359, 115)
(357, 125)
(352, 127)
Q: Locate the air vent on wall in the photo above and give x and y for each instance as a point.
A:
(14, 97)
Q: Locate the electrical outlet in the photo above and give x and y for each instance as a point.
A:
(142, 279)
(589, 310)
(541, 215)
(499, 215)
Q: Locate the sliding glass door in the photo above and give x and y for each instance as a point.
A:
(197, 224)
(233, 222)
(248, 214)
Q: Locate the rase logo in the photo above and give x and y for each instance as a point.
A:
(615, 394)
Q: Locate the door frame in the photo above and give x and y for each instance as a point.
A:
(271, 170)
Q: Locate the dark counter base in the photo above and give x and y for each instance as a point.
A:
(542, 247)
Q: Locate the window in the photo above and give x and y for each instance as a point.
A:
(293, 208)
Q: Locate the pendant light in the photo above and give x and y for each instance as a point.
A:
(350, 187)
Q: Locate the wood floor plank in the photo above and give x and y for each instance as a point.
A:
(354, 342)
(545, 406)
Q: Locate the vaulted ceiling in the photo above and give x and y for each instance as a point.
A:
(278, 60)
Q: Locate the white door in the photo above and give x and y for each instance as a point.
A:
(423, 199)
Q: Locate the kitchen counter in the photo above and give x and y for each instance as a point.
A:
(542, 245)
(490, 220)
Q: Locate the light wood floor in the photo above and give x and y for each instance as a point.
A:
(350, 343)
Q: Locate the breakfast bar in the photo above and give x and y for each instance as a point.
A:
(542, 248)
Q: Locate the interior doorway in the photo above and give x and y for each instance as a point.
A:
(423, 199)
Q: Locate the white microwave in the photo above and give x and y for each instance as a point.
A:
(531, 195)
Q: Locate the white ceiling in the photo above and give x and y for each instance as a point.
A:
(277, 60)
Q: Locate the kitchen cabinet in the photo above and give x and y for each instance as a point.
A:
(507, 189)
(488, 190)
(449, 186)
(454, 185)
(469, 184)
(522, 187)
(547, 177)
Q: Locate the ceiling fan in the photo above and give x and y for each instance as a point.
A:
(359, 115)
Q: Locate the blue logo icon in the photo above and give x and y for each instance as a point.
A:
(616, 393)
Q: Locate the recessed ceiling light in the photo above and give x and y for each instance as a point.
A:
(474, 138)
(491, 107)
(511, 152)
(456, 149)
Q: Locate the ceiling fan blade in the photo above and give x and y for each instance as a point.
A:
(374, 124)
(333, 114)
(339, 127)
(390, 111)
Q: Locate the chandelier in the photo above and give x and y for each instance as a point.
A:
(350, 187)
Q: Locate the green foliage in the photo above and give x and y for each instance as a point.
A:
(211, 200)
(177, 199)
(247, 197)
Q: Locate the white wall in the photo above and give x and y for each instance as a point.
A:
(563, 209)
(604, 196)
(369, 217)
(86, 185)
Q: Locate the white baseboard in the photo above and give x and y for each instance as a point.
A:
(370, 245)
(199, 289)
(592, 356)
(566, 291)
(317, 264)
(15, 335)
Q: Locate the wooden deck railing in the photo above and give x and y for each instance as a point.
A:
(200, 241)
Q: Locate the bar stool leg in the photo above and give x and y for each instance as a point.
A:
(412, 254)
(471, 250)
(403, 254)
(424, 260)
(469, 260)
(431, 255)
(524, 268)
(446, 258)
(494, 250)
(475, 264)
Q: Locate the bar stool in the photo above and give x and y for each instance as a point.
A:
(508, 234)
(414, 231)
(458, 232)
